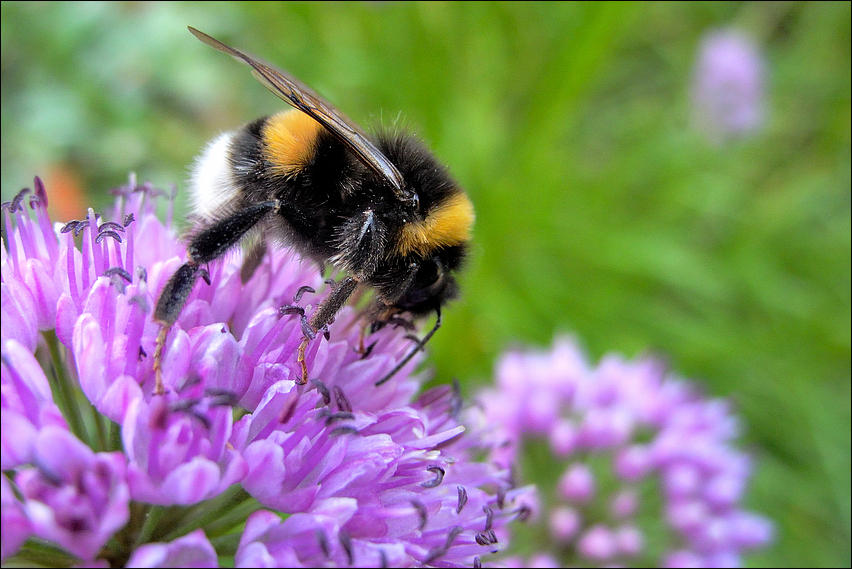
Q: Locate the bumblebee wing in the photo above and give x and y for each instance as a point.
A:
(303, 98)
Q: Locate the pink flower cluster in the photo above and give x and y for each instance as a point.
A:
(236, 460)
(650, 474)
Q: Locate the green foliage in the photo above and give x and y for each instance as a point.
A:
(601, 211)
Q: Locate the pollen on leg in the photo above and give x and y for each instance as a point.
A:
(301, 359)
(160, 388)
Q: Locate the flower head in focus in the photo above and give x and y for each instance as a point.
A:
(728, 86)
(235, 461)
(650, 474)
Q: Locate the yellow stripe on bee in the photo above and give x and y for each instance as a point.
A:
(290, 141)
(447, 224)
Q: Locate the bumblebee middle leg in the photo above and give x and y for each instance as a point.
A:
(323, 316)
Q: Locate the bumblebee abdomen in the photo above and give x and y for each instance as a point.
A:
(229, 174)
(212, 183)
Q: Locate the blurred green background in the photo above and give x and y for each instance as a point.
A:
(602, 211)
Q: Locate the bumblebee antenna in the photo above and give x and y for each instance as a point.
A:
(416, 349)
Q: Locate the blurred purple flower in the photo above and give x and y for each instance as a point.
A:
(632, 441)
(335, 472)
(728, 85)
(17, 527)
(74, 497)
(27, 405)
(191, 550)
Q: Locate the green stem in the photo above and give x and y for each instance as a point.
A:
(232, 518)
(63, 391)
(226, 545)
(172, 517)
(115, 443)
(101, 428)
(41, 554)
(152, 518)
(210, 512)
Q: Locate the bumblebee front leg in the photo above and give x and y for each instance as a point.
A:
(210, 243)
(324, 315)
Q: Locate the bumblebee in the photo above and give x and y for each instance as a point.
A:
(379, 209)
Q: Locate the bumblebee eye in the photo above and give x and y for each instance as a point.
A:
(426, 275)
(427, 287)
(430, 276)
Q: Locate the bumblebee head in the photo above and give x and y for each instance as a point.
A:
(443, 216)
(434, 284)
(426, 245)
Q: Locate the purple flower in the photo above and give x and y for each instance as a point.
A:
(631, 440)
(727, 90)
(178, 450)
(337, 471)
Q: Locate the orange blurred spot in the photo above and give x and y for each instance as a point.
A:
(66, 198)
